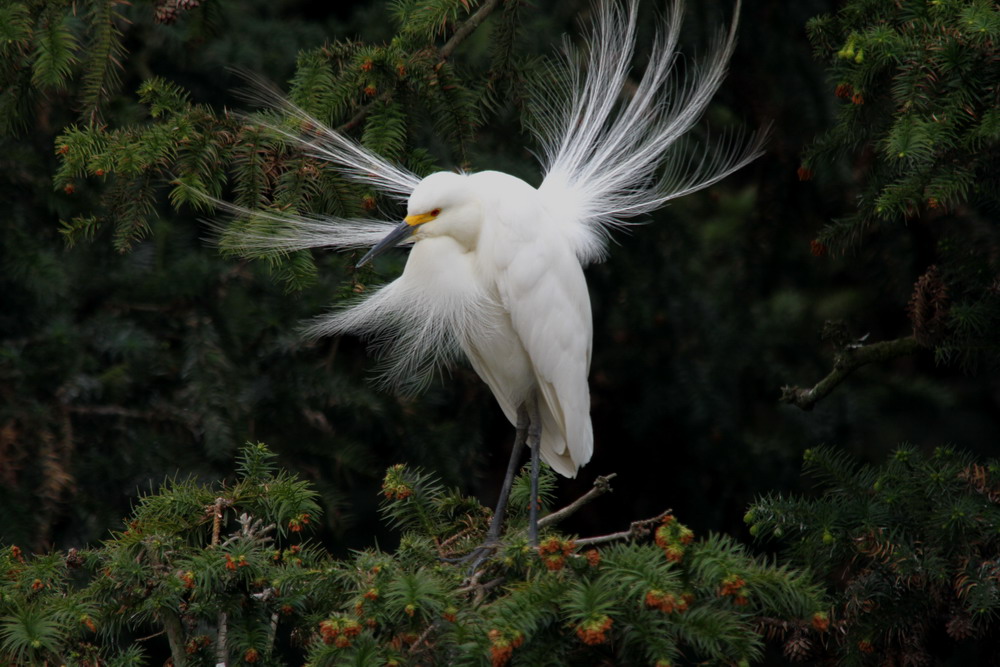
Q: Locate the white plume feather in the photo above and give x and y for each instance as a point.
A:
(290, 232)
(357, 162)
(604, 161)
(418, 323)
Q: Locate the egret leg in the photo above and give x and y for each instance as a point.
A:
(478, 555)
(521, 432)
(534, 442)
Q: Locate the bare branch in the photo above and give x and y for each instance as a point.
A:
(217, 519)
(363, 112)
(467, 28)
(601, 486)
(423, 637)
(637, 530)
(165, 413)
(221, 643)
(175, 635)
(847, 360)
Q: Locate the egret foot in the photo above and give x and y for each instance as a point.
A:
(479, 555)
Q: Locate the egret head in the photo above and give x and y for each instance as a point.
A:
(442, 204)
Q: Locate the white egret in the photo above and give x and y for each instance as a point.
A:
(496, 268)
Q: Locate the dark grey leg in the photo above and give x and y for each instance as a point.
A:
(478, 555)
(508, 481)
(534, 442)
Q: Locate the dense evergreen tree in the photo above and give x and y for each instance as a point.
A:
(922, 106)
(910, 548)
(221, 573)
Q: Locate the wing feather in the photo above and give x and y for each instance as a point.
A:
(542, 286)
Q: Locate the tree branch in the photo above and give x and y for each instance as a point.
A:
(175, 636)
(847, 360)
(217, 519)
(221, 641)
(165, 413)
(468, 28)
(171, 621)
(423, 637)
(601, 486)
(636, 530)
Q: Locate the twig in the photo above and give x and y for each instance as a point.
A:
(467, 28)
(848, 360)
(480, 589)
(492, 583)
(217, 520)
(221, 649)
(163, 414)
(363, 113)
(454, 538)
(423, 636)
(601, 486)
(473, 582)
(272, 631)
(250, 528)
(636, 530)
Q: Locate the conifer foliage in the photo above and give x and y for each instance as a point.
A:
(919, 89)
(222, 574)
(379, 91)
(919, 82)
(909, 546)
